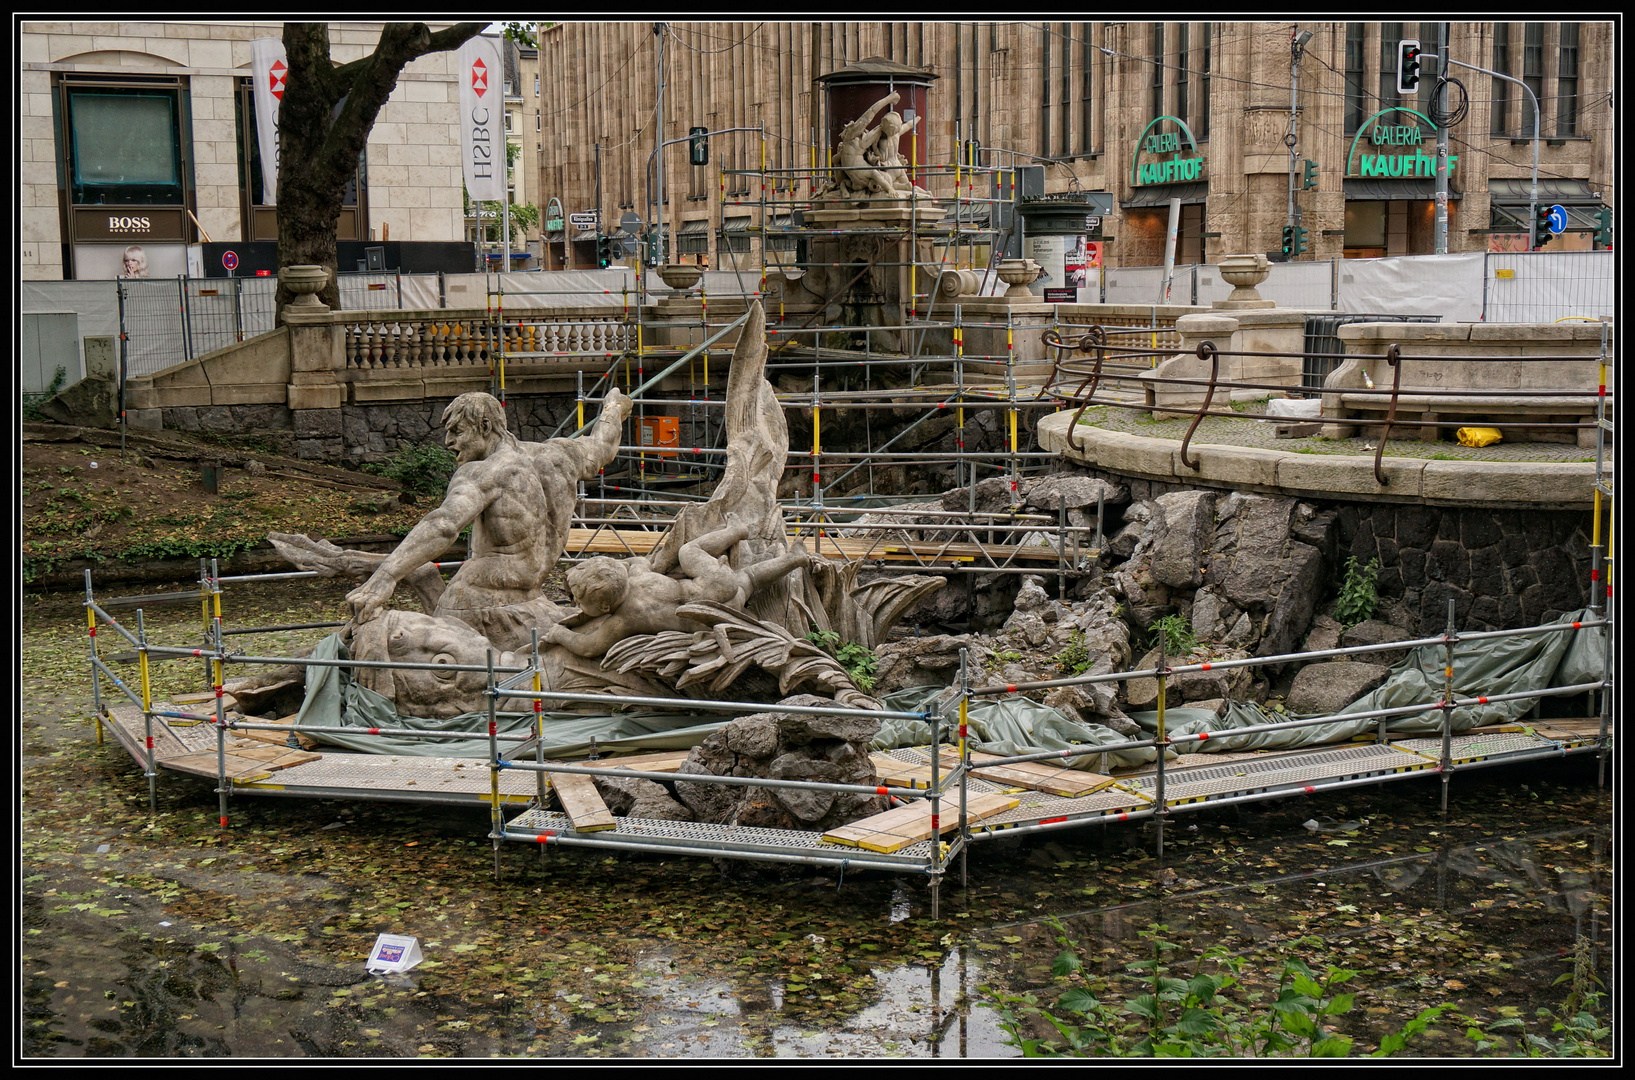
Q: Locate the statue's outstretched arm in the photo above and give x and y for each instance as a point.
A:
(591, 452)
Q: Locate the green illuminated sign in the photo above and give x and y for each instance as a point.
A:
(1183, 163)
(1374, 134)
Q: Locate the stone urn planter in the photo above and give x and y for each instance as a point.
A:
(305, 282)
(1018, 274)
(1243, 273)
(681, 277)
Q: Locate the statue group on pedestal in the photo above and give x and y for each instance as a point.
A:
(869, 160)
(723, 584)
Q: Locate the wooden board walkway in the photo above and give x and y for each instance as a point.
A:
(1032, 775)
(607, 540)
(904, 825)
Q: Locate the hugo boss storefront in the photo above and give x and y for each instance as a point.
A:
(125, 175)
(1167, 164)
(1390, 186)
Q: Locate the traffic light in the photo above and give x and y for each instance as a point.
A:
(1309, 179)
(1603, 228)
(1300, 244)
(698, 149)
(1541, 227)
(1407, 65)
(1288, 240)
(604, 251)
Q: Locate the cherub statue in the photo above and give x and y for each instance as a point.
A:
(856, 174)
(620, 598)
(886, 153)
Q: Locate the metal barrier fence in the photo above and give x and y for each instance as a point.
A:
(1323, 342)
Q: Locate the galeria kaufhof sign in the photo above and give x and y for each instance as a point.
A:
(1166, 156)
(1393, 149)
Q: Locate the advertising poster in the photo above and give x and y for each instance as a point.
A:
(103, 261)
(1072, 268)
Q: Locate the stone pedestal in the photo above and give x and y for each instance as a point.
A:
(862, 269)
(1193, 331)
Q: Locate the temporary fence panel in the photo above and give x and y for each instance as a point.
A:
(151, 313)
(95, 302)
(1208, 285)
(548, 288)
(1135, 285)
(422, 292)
(369, 292)
(1304, 286)
(1543, 286)
(1445, 285)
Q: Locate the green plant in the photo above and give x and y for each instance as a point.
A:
(1202, 1016)
(31, 407)
(1074, 658)
(423, 469)
(858, 660)
(1578, 1030)
(1358, 598)
(1003, 657)
(1175, 631)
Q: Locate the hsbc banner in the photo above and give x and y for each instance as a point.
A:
(482, 119)
(270, 70)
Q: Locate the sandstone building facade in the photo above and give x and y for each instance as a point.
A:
(1141, 111)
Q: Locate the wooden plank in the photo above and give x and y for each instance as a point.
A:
(1033, 775)
(666, 761)
(898, 828)
(126, 721)
(277, 738)
(895, 773)
(242, 765)
(607, 541)
(582, 802)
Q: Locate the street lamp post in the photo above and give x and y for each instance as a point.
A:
(1532, 202)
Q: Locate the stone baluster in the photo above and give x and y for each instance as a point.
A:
(350, 337)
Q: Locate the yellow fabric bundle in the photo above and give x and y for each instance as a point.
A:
(1478, 436)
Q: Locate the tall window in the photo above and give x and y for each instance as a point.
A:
(1181, 73)
(1157, 69)
(1390, 38)
(1044, 91)
(1202, 128)
(1567, 82)
(1067, 89)
(1532, 70)
(1356, 98)
(1428, 68)
(1088, 56)
(1501, 87)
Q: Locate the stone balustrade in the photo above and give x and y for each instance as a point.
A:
(454, 338)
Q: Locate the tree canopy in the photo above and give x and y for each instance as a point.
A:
(324, 121)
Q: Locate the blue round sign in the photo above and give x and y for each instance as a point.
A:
(229, 260)
(1558, 218)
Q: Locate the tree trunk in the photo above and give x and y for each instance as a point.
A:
(324, 119)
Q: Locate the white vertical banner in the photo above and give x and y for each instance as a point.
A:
(270, 70)
(482, 119)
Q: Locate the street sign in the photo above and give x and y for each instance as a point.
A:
(229, 260)
(585, 220)
(1558, 218)
(631, 223)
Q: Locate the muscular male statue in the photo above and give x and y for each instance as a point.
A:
(518, 497)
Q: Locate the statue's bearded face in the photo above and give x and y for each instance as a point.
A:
(410, 637)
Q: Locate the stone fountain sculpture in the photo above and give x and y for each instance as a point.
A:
(721, 596)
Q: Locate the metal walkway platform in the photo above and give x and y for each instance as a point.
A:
(1191, 782)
